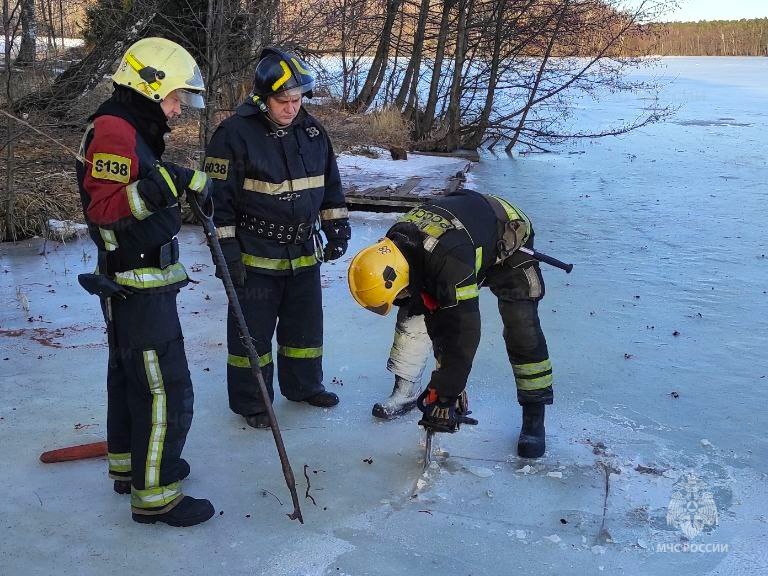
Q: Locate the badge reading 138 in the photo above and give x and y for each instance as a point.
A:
(111, 167)
(217, 167)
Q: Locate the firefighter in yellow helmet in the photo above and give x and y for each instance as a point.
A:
(432, 264)
(131, 201)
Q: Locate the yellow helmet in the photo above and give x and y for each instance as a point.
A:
(376, 276)
(155, 67)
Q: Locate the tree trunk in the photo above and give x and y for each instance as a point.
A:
(27, 47)
(476, 137)
(537, 81)
(428, 119)
(379, 65)
(410, 80)
(390, 88)
(9, 201)
(452, 138)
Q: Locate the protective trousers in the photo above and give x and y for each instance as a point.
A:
(519, 287)
(149, 396)
(293, 304)
(518, 290)
(411, 347)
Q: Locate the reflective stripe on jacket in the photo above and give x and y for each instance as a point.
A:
(119, 218)
(284, 177)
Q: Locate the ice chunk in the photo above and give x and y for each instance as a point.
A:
(66, 229)
(481, 472)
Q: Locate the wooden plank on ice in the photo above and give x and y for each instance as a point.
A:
(404, 196)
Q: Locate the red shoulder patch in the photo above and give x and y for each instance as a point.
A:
(112, 163)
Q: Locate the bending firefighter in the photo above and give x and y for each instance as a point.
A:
(275, 178)
(131, 203)
(432, 263)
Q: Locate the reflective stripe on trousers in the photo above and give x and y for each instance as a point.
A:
(291, 306)
(150, 398)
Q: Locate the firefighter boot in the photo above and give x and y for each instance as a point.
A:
(323, 399)
(531, 443)
(184, 511)
(260, 420)
(401, 401)
(124, 486)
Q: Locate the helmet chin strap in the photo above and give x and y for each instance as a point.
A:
(262, 105)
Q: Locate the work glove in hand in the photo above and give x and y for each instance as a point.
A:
(335, 248)
(188, 180)
(158, 188)
(337, 234)
(441, 413)
(231, 249)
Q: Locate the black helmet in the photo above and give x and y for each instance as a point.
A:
(279, 71)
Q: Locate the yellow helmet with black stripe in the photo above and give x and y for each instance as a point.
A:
(155, 67)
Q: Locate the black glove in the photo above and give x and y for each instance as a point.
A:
(158, 188)
(231, 249)
(441, 413)
(190, 180)
(337, 234)
(335, 248)
(102, 286)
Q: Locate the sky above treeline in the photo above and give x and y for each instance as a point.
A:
(694, 10)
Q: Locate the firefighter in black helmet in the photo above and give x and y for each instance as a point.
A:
(276, 186)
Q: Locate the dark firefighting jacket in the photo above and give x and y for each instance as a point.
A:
(272, 187)
(130, 203)
(450, 244)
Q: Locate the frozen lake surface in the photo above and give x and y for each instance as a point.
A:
(657, 338)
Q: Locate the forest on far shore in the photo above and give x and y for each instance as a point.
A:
(705, 38)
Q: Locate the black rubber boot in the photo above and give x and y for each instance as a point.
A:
(124, 486)
(257, 420)
(401, 401)
(531, 443)
(184, 511)
(323, 399)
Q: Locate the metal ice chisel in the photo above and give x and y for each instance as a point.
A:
(428, 449)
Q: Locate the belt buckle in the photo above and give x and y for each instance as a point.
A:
(303, 232)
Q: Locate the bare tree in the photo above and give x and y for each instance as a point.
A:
(408, 90)
(434, 85)
(28, 44)
(126, 27)
(378, 68)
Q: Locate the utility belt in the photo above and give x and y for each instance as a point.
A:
(280, 232)
(120, 261)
